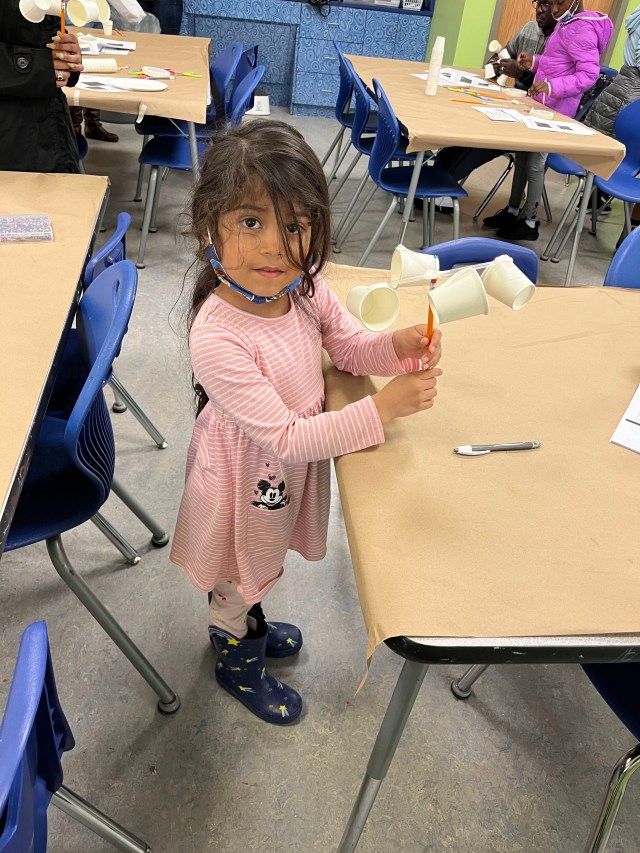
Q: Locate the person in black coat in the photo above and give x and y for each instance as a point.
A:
(35, 128)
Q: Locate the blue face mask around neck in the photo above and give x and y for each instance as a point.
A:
(219, 270)
(568, 15)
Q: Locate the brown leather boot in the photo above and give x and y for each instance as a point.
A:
(76, 119)
(93, 128)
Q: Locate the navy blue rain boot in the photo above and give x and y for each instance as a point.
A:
(240, 669)
(283, 639)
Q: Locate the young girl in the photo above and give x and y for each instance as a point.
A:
(257, 479)
(568, 67)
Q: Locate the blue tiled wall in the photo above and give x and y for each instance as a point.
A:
(295, 42)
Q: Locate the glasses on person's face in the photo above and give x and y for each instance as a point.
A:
(542, 5)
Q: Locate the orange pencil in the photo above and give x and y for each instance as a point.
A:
(460, 101)
(63, 4)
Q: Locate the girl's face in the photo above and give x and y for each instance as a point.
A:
(559, 7)
(251, 246)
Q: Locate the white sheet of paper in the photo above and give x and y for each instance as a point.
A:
(500, 114)
(451, 77)
(627, 433)
(553, 126)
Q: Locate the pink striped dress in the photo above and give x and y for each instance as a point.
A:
(257, 480)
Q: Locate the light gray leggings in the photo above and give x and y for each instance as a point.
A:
(529, 174)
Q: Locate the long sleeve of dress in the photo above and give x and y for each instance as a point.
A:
(349, 347)
(226, 367)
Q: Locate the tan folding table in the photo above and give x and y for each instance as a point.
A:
(528, 556)
(434, 122)
(40, 283)
(184, 98)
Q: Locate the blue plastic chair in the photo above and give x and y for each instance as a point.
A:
(34, 734)
(432, 182)
(343, 113)
(625, 265)
(83, 149)
(623, 184)
(480, 250)
(71, 471)
(362, 141)
(247, 62)
(169, 152)
(114, 250)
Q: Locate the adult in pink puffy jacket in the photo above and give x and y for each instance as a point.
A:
(568, 67)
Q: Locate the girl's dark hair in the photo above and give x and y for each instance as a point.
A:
(242, 161)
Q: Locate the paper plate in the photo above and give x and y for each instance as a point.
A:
(516, 93)
(133, 84)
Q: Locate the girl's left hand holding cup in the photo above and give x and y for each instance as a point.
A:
(67, 58)
(413, 343)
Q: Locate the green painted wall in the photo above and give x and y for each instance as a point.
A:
(616, 60)
(465, 24)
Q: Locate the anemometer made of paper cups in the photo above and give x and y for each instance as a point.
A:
(461, 293)
(76, 12)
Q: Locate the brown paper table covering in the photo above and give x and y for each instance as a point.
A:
(38, 283)
(433, 122)
(184, 98)
(533, 543)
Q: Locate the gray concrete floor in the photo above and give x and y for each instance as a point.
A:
(521, 766)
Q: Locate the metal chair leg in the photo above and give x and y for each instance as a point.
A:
(119, 406)
(351, 205)
(153, 224)
(169, 700)
(622, 772)
(355, 218)
(627, 218)
(547, 206)
(402, 701)
(495, 188)
(138, 195)
(344, 178)
(95, 820)
(160, 537)
(376, 236)
(563, 221)
(456, 218)
(148, 207)
(137, 412)
(336, 140)
(426, 222)
(461, 688)
(339, 162)
(116, 538)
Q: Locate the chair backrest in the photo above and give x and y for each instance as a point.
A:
(345, 90)
(247, 62)
(102, 320)
(362, 113)
(243, 94)
(480, 250)
(619, 686)
(33, 735)
(114, 250)
(623, 269)
(222, 69)
(387, 135)
(627, 130)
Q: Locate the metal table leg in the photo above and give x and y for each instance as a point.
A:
(408, 205)
(395, 719)
(193, 147)
(582, 212)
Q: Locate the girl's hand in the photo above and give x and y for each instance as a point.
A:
(67, 58)
(413, 343)
(407, 394)
(541, 87)
(525, 59)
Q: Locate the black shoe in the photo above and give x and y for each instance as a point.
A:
(502, 219)
(521, 231)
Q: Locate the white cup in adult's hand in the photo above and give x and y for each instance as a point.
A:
(83, 12)
(107, 27)
(507, 283)
(462, 296)
(489, 71)
(34, 10)
(406, 263)
(376, 306)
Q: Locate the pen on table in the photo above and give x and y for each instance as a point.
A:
(481, 449)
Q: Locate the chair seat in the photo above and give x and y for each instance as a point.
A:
(370, 127)
(625, 187)
(171, 152)
(564, 166)
(433, 181)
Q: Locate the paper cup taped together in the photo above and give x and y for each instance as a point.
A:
(507, 283)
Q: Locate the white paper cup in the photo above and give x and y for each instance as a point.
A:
(376, 306)
(507, 283)
(461, 297)
(407, 264)
(489, 72)
(99, 65)
(107, 27)
(82, 12)
(504, 54)
(502, 80)
(495, 46)
(34, 10)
